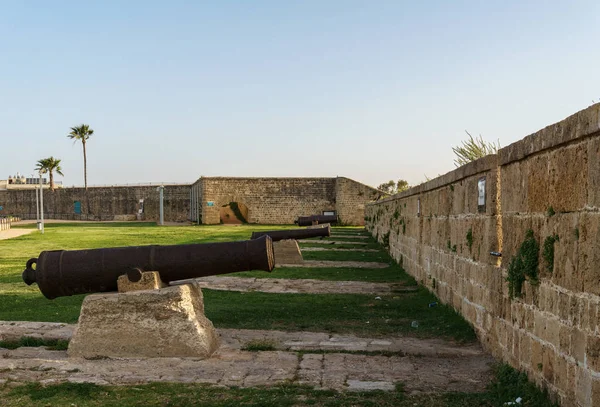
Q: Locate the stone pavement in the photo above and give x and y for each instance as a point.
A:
(335, 263)
(331, 249)
(350, 236)
(296, 286)
(332, 242)
(236, 339)
(459, 369)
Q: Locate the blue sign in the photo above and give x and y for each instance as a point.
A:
(1, 207)
(210, 203)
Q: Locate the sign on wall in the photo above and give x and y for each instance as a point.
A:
(481, 194)
(210, 203)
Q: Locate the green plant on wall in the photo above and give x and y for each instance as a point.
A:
(470, 238)
(386, 240)
(548, 252)
(524, 265)
(550, 212)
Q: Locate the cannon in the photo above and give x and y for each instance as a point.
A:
(61, 273)
(316, 219)
(295, 234)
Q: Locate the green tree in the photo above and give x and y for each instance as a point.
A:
(82, 133)
(392, 187)
(472, 149)
(49, 166)
(402, 185)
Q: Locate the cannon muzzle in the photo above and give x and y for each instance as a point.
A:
(61, 273)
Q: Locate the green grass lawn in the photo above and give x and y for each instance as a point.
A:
(357, 314)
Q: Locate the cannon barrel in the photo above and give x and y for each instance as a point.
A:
(309, 220)
(296, 234)
(60, 273)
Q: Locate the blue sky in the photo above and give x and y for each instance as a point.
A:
(371, 90)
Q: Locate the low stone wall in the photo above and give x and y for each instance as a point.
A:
(101, 203)
(546, 184)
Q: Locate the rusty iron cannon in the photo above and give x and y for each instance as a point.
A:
(316, 220)
(61, 273)
(295, 234)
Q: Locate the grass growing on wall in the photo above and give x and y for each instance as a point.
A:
(524, 266)
(548, 252)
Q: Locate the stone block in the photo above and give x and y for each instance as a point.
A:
(568, 169)
(593, 352)
(287, 252)
(149, 280)
(589, 255)
(537, 183)
(583, 386)
(514, 177)
(169, 322)
(593, 162)
(578, 345)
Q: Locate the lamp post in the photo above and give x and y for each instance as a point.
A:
(41, 205)
(161, 190)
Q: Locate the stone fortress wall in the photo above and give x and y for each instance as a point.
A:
(548, 182)
(269, 200)
(281, 200)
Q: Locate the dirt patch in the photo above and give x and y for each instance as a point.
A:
(11, 233)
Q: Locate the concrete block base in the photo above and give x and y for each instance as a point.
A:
(287, 252)
(168, 322)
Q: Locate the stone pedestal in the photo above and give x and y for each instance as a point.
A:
(168, 322)
(287, 252)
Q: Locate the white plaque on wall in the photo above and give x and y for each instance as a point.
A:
(481, 194)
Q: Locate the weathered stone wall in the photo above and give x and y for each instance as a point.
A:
(101, 203)
(269, 200)
(549, 183)
(350, 198)
(282, 200)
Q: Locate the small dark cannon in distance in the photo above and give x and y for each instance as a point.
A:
(295, 234)
(316, 220)
(61, 273)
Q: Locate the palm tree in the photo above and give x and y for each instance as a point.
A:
(49, 165)
(83, 133)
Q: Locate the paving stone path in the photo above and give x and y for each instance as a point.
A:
(350, 236)
(462, 368)
(331, 249)
(236, 339)
(334, 263)
(295, 286)
(332, 242)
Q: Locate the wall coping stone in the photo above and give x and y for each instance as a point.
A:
(579, 125)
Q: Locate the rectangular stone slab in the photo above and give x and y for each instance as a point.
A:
(287, 252)
(168, 322)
